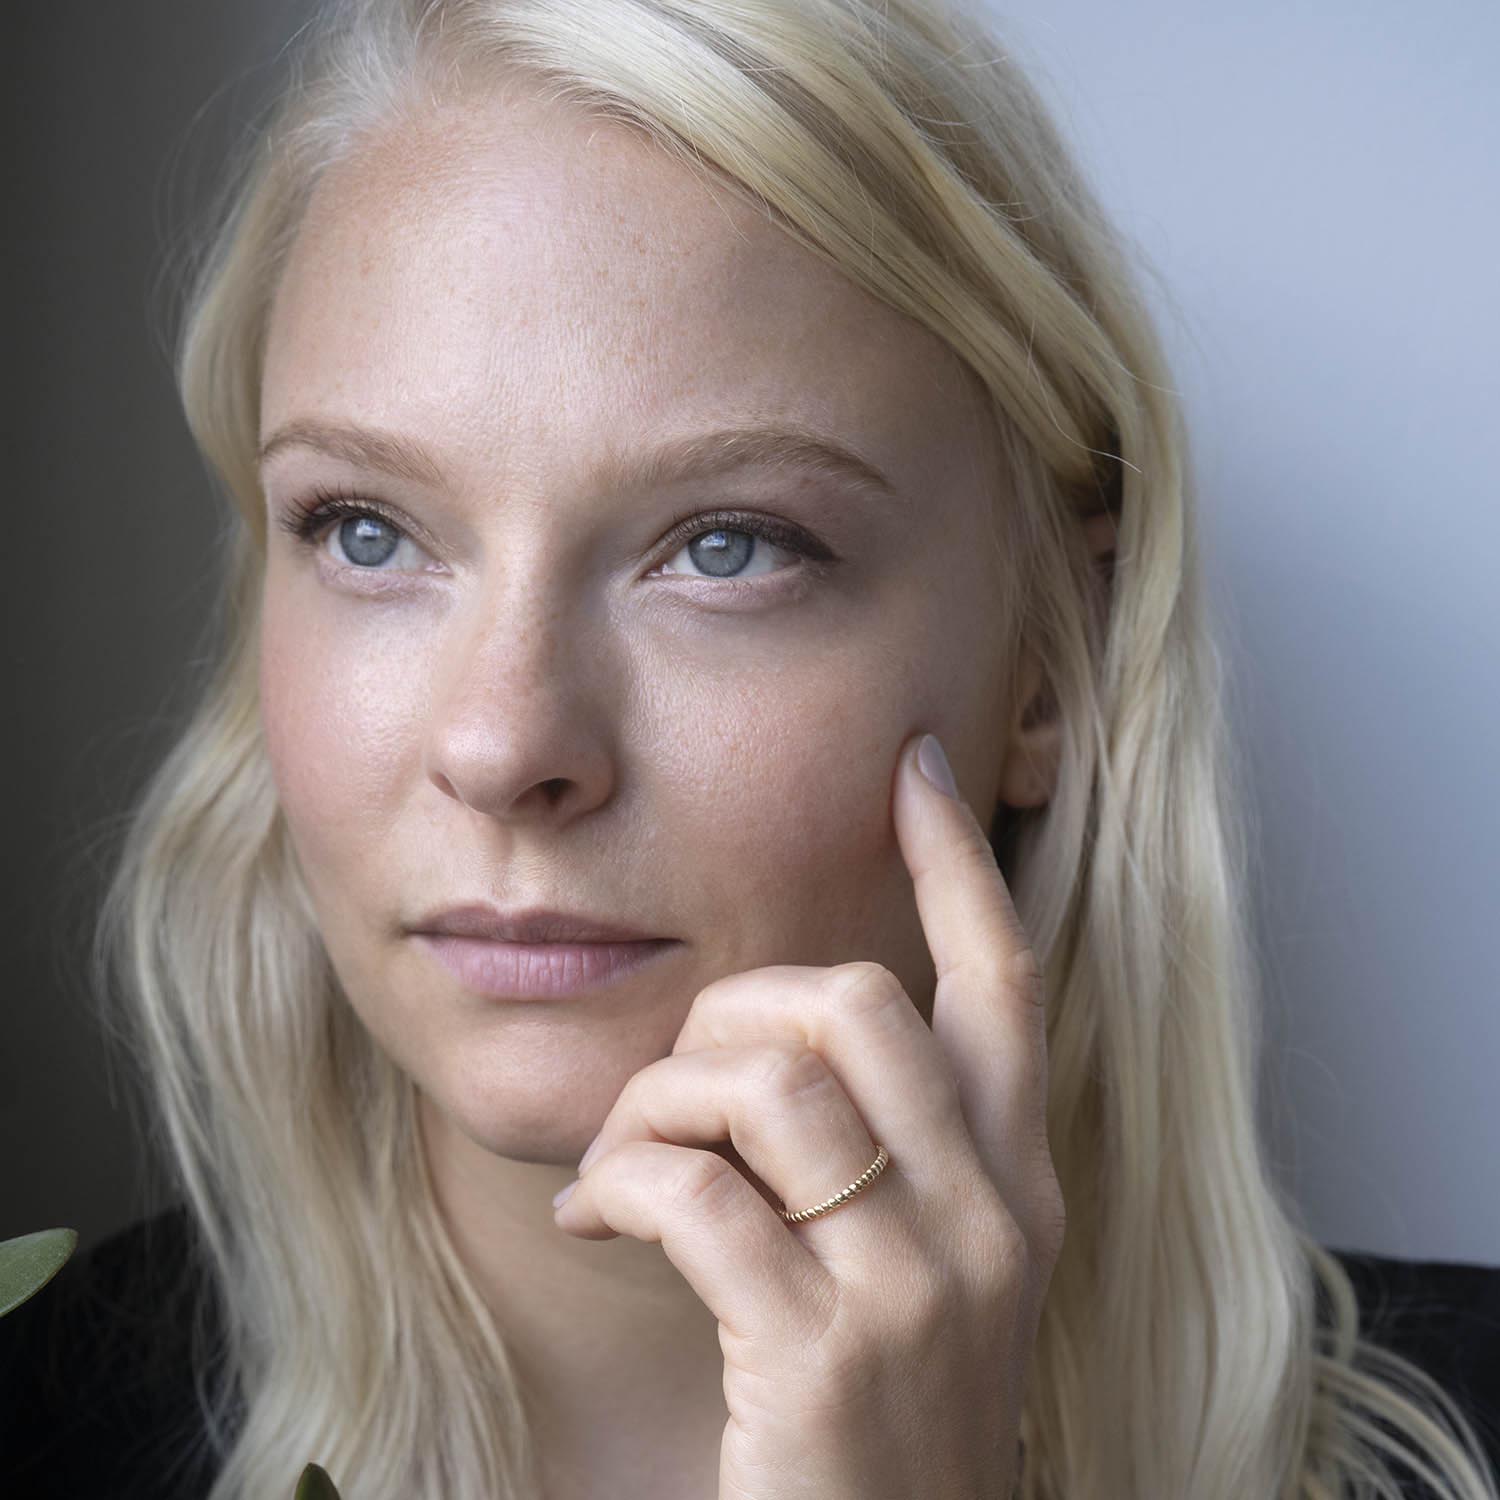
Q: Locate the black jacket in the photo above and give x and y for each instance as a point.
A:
(96, 1383)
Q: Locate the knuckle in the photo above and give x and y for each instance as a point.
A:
(1027, 976)
(716, 990)
(636, 1085)
(633, 1102)
(1052, 1218)
(1015, 967)
(990, 1228)
(997, 1242)
(1012, 1240)
(704, 1185)
(996, 1247)
(791, 1071)
(865, 988)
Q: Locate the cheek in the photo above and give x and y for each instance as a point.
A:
(788, 787)
(331, 716)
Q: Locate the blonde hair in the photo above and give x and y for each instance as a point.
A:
(1180, 1351)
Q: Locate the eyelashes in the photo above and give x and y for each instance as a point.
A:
(305, 520)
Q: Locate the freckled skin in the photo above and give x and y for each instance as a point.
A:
(529, 717)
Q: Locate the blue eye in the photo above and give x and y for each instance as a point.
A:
(360, 534)
(723, 542)
(719, 543)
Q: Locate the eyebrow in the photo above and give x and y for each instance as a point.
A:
(699, 455)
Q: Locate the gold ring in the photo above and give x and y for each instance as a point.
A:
(864, 1179)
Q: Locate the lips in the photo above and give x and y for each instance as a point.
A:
(535, 924)
(521, 971)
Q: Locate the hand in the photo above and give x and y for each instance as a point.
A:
(878, 1351)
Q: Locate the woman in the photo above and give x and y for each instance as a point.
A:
(646, 422)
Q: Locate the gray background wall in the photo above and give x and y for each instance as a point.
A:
(1314, 186)
(1317, 186)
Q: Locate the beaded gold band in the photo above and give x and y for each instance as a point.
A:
(864, 1179)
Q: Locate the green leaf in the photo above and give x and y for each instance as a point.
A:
(315, 1485)
(30, 1261)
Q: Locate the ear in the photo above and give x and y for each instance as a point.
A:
(1033, 749)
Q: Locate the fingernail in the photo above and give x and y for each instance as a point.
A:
(562, 1197)
(934, 765)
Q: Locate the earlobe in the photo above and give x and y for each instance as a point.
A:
(1029, 775)
(1033, 751)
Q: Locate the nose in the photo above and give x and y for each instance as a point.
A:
(523, 711)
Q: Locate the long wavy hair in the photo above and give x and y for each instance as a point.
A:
(1184, 1349)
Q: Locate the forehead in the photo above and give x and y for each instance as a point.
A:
(503, 276)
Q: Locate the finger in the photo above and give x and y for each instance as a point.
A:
(988, 1013)
(778, 1103)
(859, 1019)
(732, 1247)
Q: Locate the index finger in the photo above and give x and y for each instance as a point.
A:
(988, 1009)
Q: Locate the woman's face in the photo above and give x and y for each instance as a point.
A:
(515, 689)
